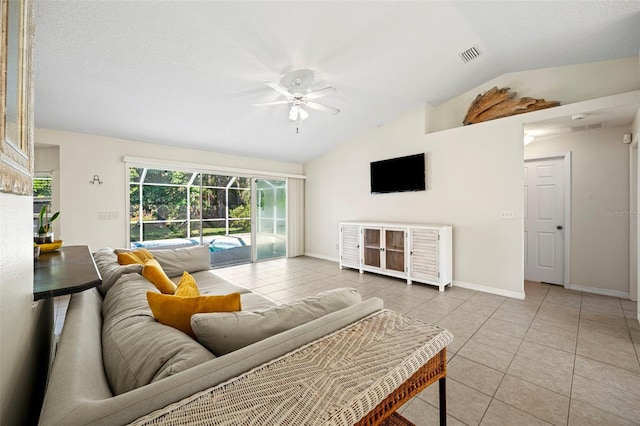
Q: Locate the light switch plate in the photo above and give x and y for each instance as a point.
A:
(507, 214)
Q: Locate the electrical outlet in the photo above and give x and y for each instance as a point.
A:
(507, 214)
(113, 215)
(103, 215)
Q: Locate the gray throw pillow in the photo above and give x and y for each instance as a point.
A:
(191, 259)
(224, 332)
(110, 270)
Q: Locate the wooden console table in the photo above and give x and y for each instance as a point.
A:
(67, 270)
(360, 374)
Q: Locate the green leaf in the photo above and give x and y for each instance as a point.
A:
(42, 212)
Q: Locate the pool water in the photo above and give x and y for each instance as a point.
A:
(225, 243)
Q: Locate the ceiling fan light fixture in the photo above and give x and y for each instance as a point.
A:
(297, 113)
(294, 112)
(303, 114)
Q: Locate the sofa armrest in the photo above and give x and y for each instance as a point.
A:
(97, 408)
(77, 376)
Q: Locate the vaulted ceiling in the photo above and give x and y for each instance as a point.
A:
(188, 73)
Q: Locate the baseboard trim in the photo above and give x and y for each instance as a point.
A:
(600, 291)
(491, 290)
(319, 256)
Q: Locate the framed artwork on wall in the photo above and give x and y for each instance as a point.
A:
(16, 97)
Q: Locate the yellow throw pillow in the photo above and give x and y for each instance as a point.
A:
(176, 311)
(143, 254)
(137, 256)
(154, 273)
(187, 287)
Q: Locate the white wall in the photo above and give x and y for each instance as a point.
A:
(469, 180)
(24, 342)
(599, 206)
(83, 156)
(567, 84)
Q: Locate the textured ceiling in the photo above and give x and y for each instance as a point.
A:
(186, 73)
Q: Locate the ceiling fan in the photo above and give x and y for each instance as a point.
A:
(295, 87)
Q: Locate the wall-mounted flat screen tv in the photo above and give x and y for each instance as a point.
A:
(398, 174)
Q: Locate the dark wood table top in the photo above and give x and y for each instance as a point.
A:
(67, 270)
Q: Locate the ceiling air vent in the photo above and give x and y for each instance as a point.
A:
(469, 54)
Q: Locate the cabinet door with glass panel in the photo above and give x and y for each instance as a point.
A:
(394, 250)
(384, 249)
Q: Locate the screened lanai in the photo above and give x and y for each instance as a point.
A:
(170, 208)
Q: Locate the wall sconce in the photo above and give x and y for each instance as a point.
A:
(96, 179)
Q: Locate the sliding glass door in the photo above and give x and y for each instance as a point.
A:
(241, 219)
(270, 222)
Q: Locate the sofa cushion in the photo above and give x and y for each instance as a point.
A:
(210, 283)
(138, 350)
(222, 333)
(110, 270)
(176, 311)
(154, 273)
(190, 259)
(256, 302)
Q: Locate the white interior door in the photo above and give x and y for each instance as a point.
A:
(544, 220)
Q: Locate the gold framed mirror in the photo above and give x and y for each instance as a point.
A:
(16, 97)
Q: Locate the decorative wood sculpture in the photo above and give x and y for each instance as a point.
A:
(499, 103)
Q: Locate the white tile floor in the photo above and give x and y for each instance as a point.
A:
(558, 357)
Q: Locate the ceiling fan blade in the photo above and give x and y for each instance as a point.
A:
(322, 107)
(316, 94)
(271, 103)
(279, 88)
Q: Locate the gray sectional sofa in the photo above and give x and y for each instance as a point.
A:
(115, 363)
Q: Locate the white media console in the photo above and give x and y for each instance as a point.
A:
(414, 252)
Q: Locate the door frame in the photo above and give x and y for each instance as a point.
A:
(566, 157)
(634, 223)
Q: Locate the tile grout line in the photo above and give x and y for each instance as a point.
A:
(505, 373)
(635, 350)
(575, 357)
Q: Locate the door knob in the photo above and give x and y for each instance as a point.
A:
(559, 227)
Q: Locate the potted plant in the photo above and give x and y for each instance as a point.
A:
(45, 233)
